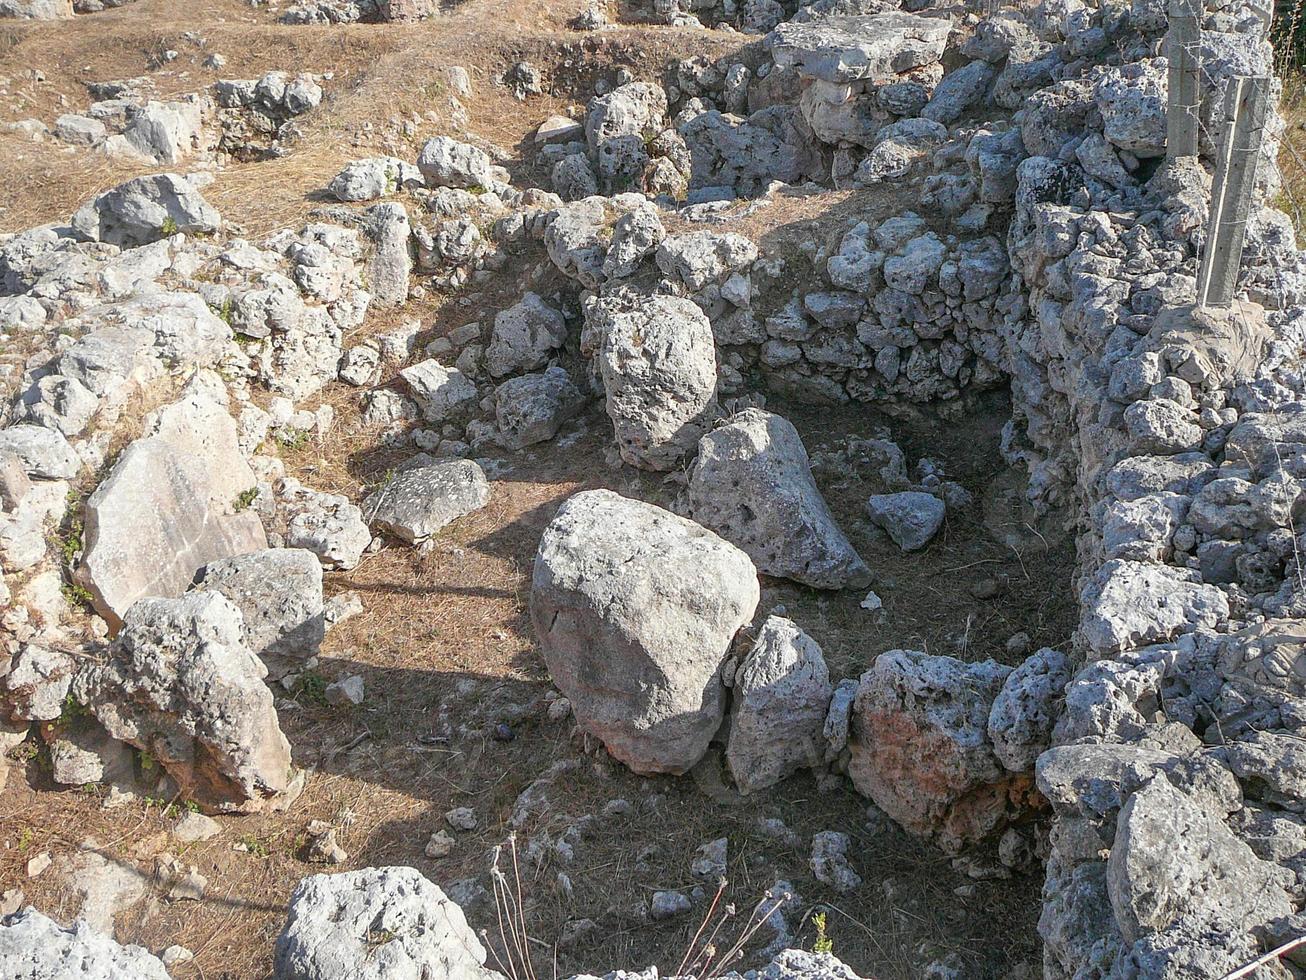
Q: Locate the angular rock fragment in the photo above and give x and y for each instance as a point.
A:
(524, 337)
(146, 209)
(532, 408)
(911, 517)
(279, 594)
(170, 505)
(1174, 859)
(182, 685)
(1130, 604)
(33, 947)
(842, 49)
(752, 484)
(419, 501)
(781, 694)
(440, 391)
(635, 609)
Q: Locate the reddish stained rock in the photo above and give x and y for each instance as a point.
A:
(921, 751)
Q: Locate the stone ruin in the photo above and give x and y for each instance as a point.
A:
(1154, 766)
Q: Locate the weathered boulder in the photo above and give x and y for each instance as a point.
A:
(144, 210)
(1129, 604)
(524, 337)
(42, 453)
(910, 517)
(33, 947)
(920, 747)
(782, 694)
(181, 684)
(170, 505)
(373, 178)
(377, 924)
(842, 49)
(533, 407)
(279, 594)
(326, 524)
(752, 484)
(445, 162)
(658, 363)
(1132, 100)
(635, 609)
(37, 9)
(390, 261)
(634, 109)
(419, 501)
(1174, 859)
(698, 258)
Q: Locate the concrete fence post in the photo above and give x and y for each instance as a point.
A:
(1184, 53)
(1247, 105)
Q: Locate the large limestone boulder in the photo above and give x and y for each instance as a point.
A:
(1174, 859)
(921, 751)
(658, 362)
(782, 696)
(635, 609)
(181, 684)
(377, 924)
(33, 947)
(841, 49)
(752, 484)
(144, 210)
(171, 504)
(37, 9)
(279, 594)
(421, 500)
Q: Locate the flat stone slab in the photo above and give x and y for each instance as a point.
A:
(846, 49)
(419, 502)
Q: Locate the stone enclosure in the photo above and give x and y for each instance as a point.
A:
(1001, 239)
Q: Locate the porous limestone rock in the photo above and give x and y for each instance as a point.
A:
(1173, 858)
(373, 178)
(910, 517)
(781, 695)
(1025, 711)
(419, 501)
(334, 922)
(841, 49)
(920, 747)
(635, 609)
(1129, 604)
(181, 684)
(441, 392)
(658, 363)
(445, 162)
(33, 947)
(752, 484)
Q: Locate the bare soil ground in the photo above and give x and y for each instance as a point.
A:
(454, 714)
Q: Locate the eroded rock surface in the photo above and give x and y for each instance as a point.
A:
(635, 609)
